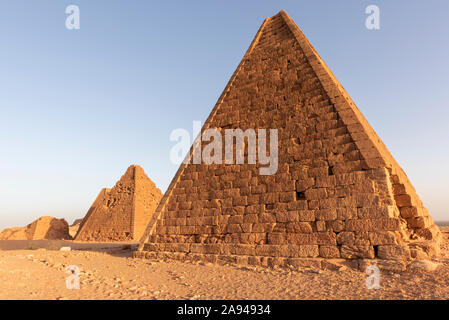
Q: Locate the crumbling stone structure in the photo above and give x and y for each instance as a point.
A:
(44, 228)
(338, 193)
(123, 212)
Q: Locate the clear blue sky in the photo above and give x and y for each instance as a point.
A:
(77, 107)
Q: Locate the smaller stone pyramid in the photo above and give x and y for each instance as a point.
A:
(123, 212)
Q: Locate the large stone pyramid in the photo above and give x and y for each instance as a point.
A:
(123, 212)
(338, 193)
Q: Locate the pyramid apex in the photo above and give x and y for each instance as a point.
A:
(280, 13)
(133, 169)
(135, 166)
(138, 170)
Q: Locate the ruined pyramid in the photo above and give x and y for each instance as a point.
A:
(44, 228)
(337, 194)
(123, 212)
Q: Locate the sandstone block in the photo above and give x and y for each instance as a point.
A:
(267, 218)
(263, 227)
(329, 252)
(306, 215)
(394, 252)
(299, 227)
(320, 226)
(297, 205)
(277, 238)
(250, 218)
(312, 238)
(431, 249)
(383, 237)
(357, 252)
(326, 214)
(376, 212)
(403, 200)
(420, 222)
(335, 225)
(424, 265)
(346, 213)
(346, 237)
(431, 233)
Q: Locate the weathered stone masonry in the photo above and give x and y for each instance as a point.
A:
(123, 212)
(338, 192)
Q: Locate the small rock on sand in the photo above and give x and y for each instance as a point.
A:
(423, 265)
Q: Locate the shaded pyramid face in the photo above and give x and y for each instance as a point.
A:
(337, 193)
(123, 212)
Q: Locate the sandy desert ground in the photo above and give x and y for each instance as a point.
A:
(108, 271)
